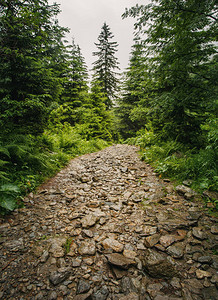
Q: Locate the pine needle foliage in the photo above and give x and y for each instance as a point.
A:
(106, 65)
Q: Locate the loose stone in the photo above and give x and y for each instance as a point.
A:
(201, 274)
(87, 248)
(198, 233)
(205, 259)
(112, 244)
(176, 250)
(167, 240)
(150, 241)
(60, 275)
(89, 221)
(83, 287)
(120, 260)
(158, 265)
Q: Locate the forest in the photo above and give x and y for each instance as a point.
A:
(165, 102)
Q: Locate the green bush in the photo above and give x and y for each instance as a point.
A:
(8, 196)
(174, 160)
(26, 161)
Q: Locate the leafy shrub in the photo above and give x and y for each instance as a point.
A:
(175, 160)
(8, 196)
(26, 161)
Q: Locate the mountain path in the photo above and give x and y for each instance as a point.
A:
(107, 227)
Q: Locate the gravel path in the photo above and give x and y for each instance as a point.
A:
(106, 227)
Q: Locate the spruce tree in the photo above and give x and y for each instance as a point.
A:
(29, 82)
(131, 119)
(180, 40)
(76, 77)
(106, 64)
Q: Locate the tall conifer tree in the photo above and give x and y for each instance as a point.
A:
(29, 76)
(106, 64)
(134, 88)
(76, 76)
(180, 40)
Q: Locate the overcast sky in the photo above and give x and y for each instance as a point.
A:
(85, 19)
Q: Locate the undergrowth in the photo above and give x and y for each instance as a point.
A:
(181, 162)
(26, 161)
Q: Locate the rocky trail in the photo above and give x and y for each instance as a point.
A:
(106, 227)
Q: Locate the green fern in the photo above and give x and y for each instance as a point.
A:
(8, 196)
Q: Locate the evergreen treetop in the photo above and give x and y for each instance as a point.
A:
(106, 64)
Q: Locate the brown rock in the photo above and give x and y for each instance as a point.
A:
(149, 230)
(167, 240)
(129, 253)
(202, 274)
(158, 265)
(89, 221)
(120, 260)
(181, 234)
(150, 241)
(110, 243)
(131, 296)
(119, 273)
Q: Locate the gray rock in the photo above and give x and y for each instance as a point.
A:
(45, 256)
(87, 248)
(187, 182)
(56, 248)
(83, 287)
(15, 245)
(127, 285)
(88, 233)
(182, 189)
(198, 233)
(64, 290)
(76, 262)
(89, 221)
(176, 250)
(53, 296)
(149, 230)
(205, 259)
(101, 294)
(120, 260)
(153, 289)
(158, 265)
(59, 276)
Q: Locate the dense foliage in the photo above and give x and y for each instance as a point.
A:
(168, 103)
(47, 114)
(174, 105)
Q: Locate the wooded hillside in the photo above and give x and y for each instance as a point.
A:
(166, 101)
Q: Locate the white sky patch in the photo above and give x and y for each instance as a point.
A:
(85, 19)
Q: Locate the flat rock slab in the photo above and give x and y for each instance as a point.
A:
(120, 260)
(112, 244)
